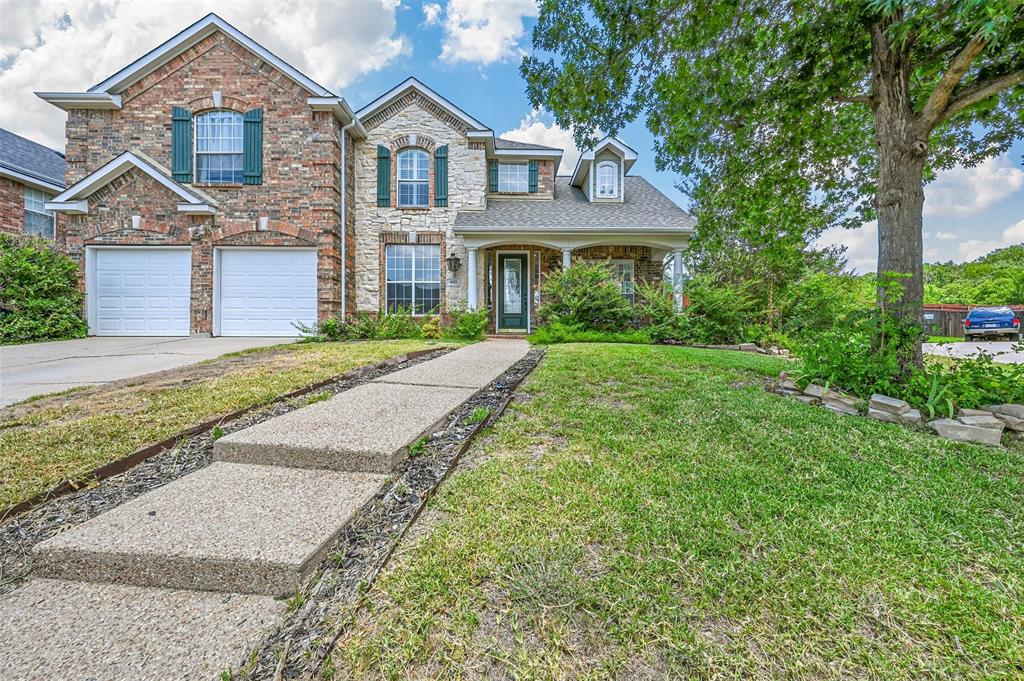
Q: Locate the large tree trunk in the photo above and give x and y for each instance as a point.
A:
(899, 200)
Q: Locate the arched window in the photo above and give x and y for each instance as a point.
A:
(219, 147)
(607, 180)
(413, 178)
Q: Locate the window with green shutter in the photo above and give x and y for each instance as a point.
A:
(181, 144)
(441, 176)
(383, 177)
(533, 177)
(493, 176)
(252, 148)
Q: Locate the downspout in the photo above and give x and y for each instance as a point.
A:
(344, 221)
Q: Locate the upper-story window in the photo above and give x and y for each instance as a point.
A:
(607, 180)
(413, 178)
(513, 177)
(38, 220)
(219, 148)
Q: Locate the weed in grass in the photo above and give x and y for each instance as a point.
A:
(296, 600)
(217, 433)
(318, 397)
(479, 415)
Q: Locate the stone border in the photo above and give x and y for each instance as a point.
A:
(145, 452)
(302, 645)
(22, 532)
(982, 426)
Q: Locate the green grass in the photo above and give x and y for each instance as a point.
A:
(45, 444)
(944, 339)
(652, 512)
(478, 415)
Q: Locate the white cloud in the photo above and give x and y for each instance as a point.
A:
(975, 248)
(947, 236)
(431, 13)
(1014, 234)
(533, 129)
(484, 31)
(71, 46)
(861, 245)
(969, 191)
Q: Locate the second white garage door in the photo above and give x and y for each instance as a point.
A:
(263, 290)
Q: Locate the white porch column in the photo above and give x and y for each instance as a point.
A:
(677, 278)
(566, 257)
(471, 275)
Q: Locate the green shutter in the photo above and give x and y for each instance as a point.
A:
(181, 144)
(493, 176)
(383, 177)
(533, 177)
(252, 147)
(441, 176)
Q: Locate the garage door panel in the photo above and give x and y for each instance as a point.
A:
(262, 292)
(143, 292)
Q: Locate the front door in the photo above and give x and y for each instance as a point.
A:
(513, 301)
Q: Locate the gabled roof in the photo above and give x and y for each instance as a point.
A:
(502, 143)
(627, 153)
(106, 94)
(75, 198)
(413, 84)
(31, 163)
(643, 209)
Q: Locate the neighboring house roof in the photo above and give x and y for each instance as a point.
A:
(643, 208)
(75, 198)
(31, 163)
(502, 143)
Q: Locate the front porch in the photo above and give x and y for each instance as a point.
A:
(506, 273)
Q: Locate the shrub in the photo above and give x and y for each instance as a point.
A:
(431, 327)
(717, 313)
(557, 332)
(657, 310)
(397, 324)
(587, 295)
(39, 295)
(466, 324)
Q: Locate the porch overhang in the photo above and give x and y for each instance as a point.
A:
(573, 239)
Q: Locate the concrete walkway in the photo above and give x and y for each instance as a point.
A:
(181, 581)
(39, 368)
(1001, 351)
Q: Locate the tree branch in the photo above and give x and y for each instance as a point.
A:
(935, 108)
(982, 91)
(853, 99)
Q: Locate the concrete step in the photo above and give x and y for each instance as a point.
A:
(227, 527)
(56, 629)
(367, 428)
(473, 366)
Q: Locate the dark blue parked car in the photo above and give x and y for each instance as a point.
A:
(992, 321)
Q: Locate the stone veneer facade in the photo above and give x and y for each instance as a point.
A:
(300, 193)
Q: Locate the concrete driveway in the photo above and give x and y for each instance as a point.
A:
(1001, 350)
(38, 368)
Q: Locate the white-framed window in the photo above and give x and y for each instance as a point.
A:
(607, 180)
(219, 147)
(38, 220)
(413, 277)
(624, 272)
(514, 177)
(413, 178)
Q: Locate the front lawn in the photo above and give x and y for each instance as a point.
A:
(50, 439)
(651, 512)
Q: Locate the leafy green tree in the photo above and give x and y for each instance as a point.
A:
(818, 112)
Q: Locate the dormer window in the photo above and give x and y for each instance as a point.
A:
(607, 180)
(219, 148)
(413, 179)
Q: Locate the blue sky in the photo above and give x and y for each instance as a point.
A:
(468, 50)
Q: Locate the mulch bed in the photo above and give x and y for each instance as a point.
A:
(19, 534)
(301, 645)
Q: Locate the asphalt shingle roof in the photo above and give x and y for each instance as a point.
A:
(30, 158)
(643, 207)
(500, 143)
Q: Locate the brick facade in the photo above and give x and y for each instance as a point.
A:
(12, 206)
(300, 194)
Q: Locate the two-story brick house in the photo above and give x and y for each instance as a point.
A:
(213, 188)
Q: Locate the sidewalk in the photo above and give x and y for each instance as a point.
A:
(181, 581)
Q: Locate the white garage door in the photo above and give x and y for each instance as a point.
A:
(264, 290)
(142, 291)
